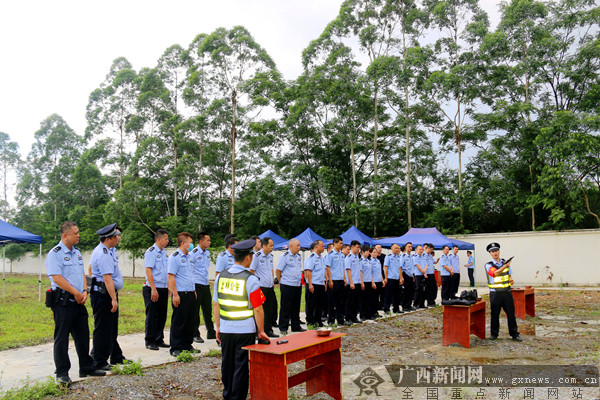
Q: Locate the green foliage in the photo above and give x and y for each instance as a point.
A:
(35, 390)
(213, 353)
(128, 367)
(185, 356)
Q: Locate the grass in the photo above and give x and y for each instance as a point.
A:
(34, 390)
(20, 308)
(185, 356)
(128, 368)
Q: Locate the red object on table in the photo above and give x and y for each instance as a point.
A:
(323, 361)
(462, 321)
(524, 302)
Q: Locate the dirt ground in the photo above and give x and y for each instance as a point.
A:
(564, 331)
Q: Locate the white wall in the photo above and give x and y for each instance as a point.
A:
(568, 255)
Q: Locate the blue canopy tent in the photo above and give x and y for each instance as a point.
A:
(354, 234)
(275, 237)
(306, 238)
(11, 234)
(425, 235)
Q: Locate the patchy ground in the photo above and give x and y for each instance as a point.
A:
(565, 331)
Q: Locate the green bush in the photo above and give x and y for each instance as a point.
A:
(214, 353)
(185, 356)
(128, 368)
(34, 390)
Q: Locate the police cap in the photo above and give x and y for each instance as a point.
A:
(245, 246)
(492, 247)
(108, 231)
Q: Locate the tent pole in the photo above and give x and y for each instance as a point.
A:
(40, 277)
(3, 268)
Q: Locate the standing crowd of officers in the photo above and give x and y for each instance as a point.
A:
(345, 284)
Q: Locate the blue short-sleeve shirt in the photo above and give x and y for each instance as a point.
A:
(445, 260)
(472, 262)
(183, 270)
(394, 263)
(106, 261)
(418, 260)
(316, 265)
(352, 263)
(291, 269)
(200, 260)
(224, 261)
(455, 262)
(367, 270)
(335, 262)
(262, 265)
(67, 263)
(407, 264)
(157, 259)
(376, 270)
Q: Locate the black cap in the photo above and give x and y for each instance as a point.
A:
(245, 246)
(108, 230)
(492, 247)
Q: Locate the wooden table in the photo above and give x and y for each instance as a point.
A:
(524, 302)
(462, 321)
(323, 362)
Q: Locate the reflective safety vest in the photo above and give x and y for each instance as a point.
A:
(500, 283)
(231, 293)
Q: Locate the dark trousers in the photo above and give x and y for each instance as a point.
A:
(392, 295)
(182, 322)
(432, 289)
(352, 301)
(366, 302)
(337, 302)
(455, 283)
(106, 330)
(502, 300)
(156, 314)
(446, 287)
(290, 307)
(234, 364)
(270, 307)
(420, 291)
(71, 319)
(471, 272)
(408, 291)
(203, 301)
(378, 296)
(314, 304)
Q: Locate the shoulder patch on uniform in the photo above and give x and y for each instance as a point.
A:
(105, 250)
(195, 250)
(176, 253)
(57, 248)
(76, 248)
(151, 248)
(223, 253)
(312, 255)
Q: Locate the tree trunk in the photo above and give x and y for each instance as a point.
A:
(353, 180)
(121, 159)
(408, 202)
(4, 211)
(532, 207)
(233, 137)
(175, 178)
(375, 165)
(133, 261)
(200, 180)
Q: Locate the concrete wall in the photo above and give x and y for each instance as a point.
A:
(541, 258)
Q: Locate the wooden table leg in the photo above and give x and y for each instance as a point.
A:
(268, 376)
(330, 379)
(478, 323)
(456, 326)
(519, 300)
(530, 304)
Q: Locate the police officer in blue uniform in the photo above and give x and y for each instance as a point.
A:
(470, 265)
(289, 274)
(336, 279)
(200, 259)
(181, 283)
(408, 287)
(455, 261)
(392, 268)
(366, 298)
(420, 268)
(155, 291)
(314, 274)
(262, 268)
(106, 283)
(355, 283)
(431, 292)
(499, 275)
(64, 265)
(377, 273)
(446, 274)
(225, 258)
(239, 315)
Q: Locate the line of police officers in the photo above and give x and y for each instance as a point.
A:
(349, 279)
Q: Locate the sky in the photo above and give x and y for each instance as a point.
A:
(55, 53)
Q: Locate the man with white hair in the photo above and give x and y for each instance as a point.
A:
(289, 275)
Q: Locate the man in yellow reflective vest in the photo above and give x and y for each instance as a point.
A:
(238, 315)
(500, 280)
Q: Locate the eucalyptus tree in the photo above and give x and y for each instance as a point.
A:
(233, 58)
(110, 109)
(460, 26)
(9, 161)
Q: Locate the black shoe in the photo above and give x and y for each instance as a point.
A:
(493, 337)
(211, 336)
(302, 322)
(175, 353)
(193, 350)
(152, 346)
(517, 338)
(122, 361)
(299, 329)
(64, 380)
(93, 372)
(348, 323)
(272, 334)
(163, 345)
(198, 339)
(107, 367)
